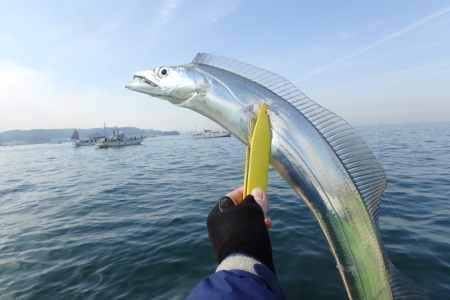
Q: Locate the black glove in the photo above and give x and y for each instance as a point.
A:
(239, 228)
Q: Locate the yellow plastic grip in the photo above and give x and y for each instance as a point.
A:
(258, 154)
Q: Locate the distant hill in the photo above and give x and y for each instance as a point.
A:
(44, 135)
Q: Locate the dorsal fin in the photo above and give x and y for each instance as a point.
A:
(358, 160)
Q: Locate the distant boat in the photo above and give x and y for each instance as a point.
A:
(207, 134)
(88, 141)
(118, 139)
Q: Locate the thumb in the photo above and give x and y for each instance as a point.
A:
(261, 199)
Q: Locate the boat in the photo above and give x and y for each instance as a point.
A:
(118, 139)
(207, 134)
(88, 141)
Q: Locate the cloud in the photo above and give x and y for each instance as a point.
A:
(31, 98)
(345, 34)
(165, 15)
(383, 40)
(217, 10)
(348, 34)
(430, 70)
(19, 80)
(5, 39)
(176, 21)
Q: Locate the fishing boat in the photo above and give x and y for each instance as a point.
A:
(88, 141)
(207, 134)
(118, 139)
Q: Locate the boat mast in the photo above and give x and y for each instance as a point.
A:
(104, 127)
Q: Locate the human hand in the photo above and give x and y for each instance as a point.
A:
(260, 197)
(242, 227)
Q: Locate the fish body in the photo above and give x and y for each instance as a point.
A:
(316, 152)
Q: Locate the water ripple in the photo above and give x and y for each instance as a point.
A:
(129, 223)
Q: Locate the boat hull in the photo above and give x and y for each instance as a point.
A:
(83, 144)
(119, 143)
(211, 135)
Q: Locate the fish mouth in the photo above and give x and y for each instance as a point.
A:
(143, 79)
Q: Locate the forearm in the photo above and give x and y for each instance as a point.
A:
(238, 277)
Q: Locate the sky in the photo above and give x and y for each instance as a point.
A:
(65, 64)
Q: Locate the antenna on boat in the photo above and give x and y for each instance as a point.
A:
(104, 127)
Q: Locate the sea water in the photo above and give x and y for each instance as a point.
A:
(129, 222)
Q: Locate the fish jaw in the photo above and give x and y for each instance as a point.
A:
(146, 84)
(176, 85)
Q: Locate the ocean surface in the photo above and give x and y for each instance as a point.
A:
(129, 222)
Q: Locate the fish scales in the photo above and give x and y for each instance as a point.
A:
(314, 150)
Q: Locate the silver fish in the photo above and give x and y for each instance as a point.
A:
(315, 151)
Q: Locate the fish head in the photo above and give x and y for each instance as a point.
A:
(197, 88)
(174, 84)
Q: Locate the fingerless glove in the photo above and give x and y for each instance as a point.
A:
(239, 229)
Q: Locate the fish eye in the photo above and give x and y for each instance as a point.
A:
(163, 72)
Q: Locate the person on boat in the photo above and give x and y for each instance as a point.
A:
(238, 232)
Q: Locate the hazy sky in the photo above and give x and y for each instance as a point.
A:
(64, 64)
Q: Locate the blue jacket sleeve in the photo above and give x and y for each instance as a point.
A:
(239, 276)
